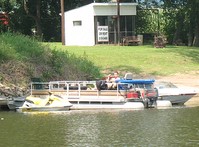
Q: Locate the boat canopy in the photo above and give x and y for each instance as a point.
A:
(136, 81)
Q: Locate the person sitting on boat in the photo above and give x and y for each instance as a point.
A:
(116, 76)
(111, 80)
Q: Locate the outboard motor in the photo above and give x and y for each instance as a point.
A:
(152, 102)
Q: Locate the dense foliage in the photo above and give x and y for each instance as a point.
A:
(182, 21)
(23, 58)
(177, 19)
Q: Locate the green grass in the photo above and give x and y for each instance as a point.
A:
(23, 57)
(142, 60)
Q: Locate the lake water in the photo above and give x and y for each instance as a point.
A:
(175, 127)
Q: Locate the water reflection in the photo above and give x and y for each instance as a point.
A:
(170, 127)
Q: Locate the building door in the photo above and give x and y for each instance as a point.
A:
(127, 28)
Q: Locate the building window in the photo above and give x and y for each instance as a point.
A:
(77, 23)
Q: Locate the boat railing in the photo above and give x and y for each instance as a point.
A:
(78, 89)
(72, 89)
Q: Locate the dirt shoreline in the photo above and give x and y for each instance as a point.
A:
(185, 80)
(191, 80)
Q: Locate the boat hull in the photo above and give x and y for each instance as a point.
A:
(177, 99)
(44, 108)
(45, 103)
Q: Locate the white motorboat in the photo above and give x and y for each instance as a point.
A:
(44, 103)
(176, 95)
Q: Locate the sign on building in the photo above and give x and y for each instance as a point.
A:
(103, 34)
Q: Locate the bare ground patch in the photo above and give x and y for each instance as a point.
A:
(191, 79)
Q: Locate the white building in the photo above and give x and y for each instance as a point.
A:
(96, 23)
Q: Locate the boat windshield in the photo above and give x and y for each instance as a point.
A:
(146, 86)
(162, 85)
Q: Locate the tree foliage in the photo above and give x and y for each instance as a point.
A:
(177, 19)
(182, 21)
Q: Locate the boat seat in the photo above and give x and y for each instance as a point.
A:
(128, 76)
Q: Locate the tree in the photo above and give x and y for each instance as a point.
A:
(33, 9)
(193, 13)
(51, 20)
(182, 18)
(179, 20)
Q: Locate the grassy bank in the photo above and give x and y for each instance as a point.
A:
(141, 60)
(22, 58)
